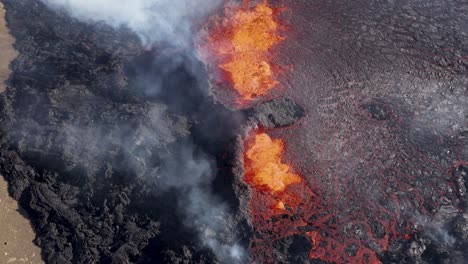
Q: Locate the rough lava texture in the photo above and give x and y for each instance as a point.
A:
(275, 113)
(101, 137)
(384, 85)
(93, 149)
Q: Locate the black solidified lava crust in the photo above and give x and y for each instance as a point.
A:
(82, 144)
(85, 137)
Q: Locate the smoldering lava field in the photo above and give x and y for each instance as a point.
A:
(127, 140)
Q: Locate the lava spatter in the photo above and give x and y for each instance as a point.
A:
(242, 44)
(265, 167)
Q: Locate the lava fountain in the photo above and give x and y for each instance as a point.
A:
(279, 195)
(243, 44)
(265, 166)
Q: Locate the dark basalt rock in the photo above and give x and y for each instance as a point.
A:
(86, 141)
(275, 113)
(461, 178)
(81, 148)
(377, 112)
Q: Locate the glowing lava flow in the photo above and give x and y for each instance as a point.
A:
(276, 192)
(283, 205)
(243, 44)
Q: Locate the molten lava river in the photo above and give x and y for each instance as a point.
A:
(284, 203)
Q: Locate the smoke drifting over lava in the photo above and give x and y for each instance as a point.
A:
(153, 20)
(114, 140)
(172, 76)
(191, 175)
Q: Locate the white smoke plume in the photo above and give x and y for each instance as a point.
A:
(191, 175)
(170, 22)
(435, 228)
(153, 20)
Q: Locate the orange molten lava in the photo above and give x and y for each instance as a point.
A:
(244, 43)
(276, 192)
(265, 165)
(284, 205)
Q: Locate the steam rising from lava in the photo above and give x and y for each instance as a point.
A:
(191, 175)
(284, 205)
(153, 20)
(169, 23)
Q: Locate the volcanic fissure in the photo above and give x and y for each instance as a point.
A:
(165, 132)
